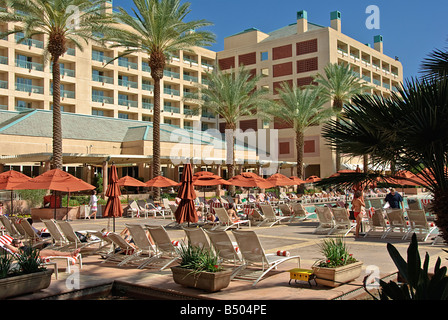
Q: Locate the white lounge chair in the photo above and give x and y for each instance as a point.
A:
(141, 241)
(227, 250)
(396, 221)
(342, 221)
(10, 228)
(254, 255)
(166, 252)
(225, 221)
(57, 237)
(124, 252)
(197, 237)
(326, 222)
(73, 239)
(377, 223)
(299, 212)
(419, 224)
(270, 216)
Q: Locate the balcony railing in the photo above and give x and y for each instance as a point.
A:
(29, 42)
(29, 65)
(127, 64)
(377, 82)
(127, 83)
(208, 114)
(102, 99)
(148, 105)
(128, 103)
(65, 93)
(171, 91)
(171, 74)
(103, 79)
(171, 109)
(190, 78)
(3, 84)
(146, 67)
(207, 65)
(96, 56)
(367, 78)
(29, 88)
(147, 87)
(3, 60)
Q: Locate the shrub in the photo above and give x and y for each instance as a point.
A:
(336, 253)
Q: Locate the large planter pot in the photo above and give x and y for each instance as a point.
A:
(333, 277)
(208, 281)
(24, 284)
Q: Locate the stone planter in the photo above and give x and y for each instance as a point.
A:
(208, 281)
(24, 284)
(333, 277)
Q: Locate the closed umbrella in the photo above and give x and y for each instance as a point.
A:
(113, 206)
(10, 179)
(55, 180)
(186, 211)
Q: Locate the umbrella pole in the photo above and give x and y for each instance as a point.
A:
(12, 204)
(54, 211)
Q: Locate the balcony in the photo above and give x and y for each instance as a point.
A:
(97, 56)
(377, 82)
(207, 65)
(3, 60)
(29, 42)
(102, 79)
(148, 105)
(171, 109)
(206, 114)
(190, 61)
(146, 67)
(127, 64)
(190, 78)
(29, 65)
(172, 92)
(127, 83)
(147, 87)
(128, 103)
(171, 74)
(3, 84)
(102, 99)
(29, 88)
(65, 93)
(366, 78)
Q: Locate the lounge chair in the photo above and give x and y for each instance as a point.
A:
(419, 224)
(326, 222)
(225, 221)
(73, 239)
(16, 222)
(133, 209)
(377, 221)
(299, 212)
(166, 252)
(105, 246)
(141, 239)
(124, 252)
(254, 255)
(57, 237)
(10, 228)
(31, 235)
(342, 221)
(376, 203)
(162, 212)
(143, 208)
(270, 216)
(396, 221)
(227, 250)
(197, 237)
(254, 215)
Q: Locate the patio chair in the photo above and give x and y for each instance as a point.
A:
(166, 252)
(141, 240)
(299, 212)
(57, 237)
(16, 222)
(124, 252)
(253, 215)
(154, 210)
(377, 222)
(105, 246)
(396, 221)
(73, 238)
(419, 224)
(142, 208)
(197, 237)
(225, 221)
(342, 221)
(376, 203)
(270, 216)
(227, 250)
(31, 235)
(133, 209)
(254, 255)
(326, 222)
(10, 228)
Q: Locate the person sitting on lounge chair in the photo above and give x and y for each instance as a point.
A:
(232, 214)
(16, 246)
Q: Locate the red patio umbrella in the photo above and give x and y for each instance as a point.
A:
(113, 206)
(161, 182)
(250, 180)
(342, 171)
(312, 179)
(279, 179)
(10, 179)
(56, 180)
(128, 181)
(297, 180)
(186, 211)
(206, 178)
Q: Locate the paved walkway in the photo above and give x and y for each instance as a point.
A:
(294, 237)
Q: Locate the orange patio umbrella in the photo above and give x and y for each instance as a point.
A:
(113, 206)
(279, 179)
(128, 181)
(206, 178)
(10, 179)
(55, 180)
(161, 182)
(297, 180)
(250, 180)
(312, 179)
(186, 211)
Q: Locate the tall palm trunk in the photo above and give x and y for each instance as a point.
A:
(439, 207)
(157, 65)
(299, 149)
(57, 122)
(230, 152)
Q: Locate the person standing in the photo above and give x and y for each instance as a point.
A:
(357, 207)
(93, 205)
(394, 199)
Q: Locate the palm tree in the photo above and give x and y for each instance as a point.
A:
(340, 85)
(157, 28)
(408, 128)
(61, 22)
(232, 95)
(300, 108)
(435, 64)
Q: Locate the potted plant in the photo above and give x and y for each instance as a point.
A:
(199, 268)
(339, 266)
(22, 274)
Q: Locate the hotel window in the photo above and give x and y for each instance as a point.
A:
(123, 115)
(97, 112)
(264, 56)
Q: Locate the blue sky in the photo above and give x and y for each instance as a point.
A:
(410, 29)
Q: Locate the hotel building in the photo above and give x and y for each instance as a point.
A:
(96, 91)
